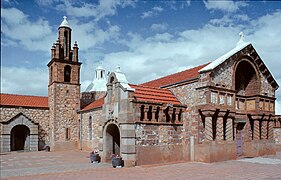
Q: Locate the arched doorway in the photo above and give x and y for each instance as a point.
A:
(112, 141)
(20, 139)
(246, 79)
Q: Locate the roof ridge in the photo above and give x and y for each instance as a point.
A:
(175, 74)
(144, 86)
(23, 95)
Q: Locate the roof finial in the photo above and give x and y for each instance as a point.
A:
(64, 22)
(241, 40)
(118, 69)
(241, 34)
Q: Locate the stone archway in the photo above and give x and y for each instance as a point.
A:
(246, 79)
(20, 138)
(111, 141)
(19, 133)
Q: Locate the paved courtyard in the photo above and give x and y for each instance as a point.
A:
(76, 165)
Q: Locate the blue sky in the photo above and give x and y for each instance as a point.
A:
(148, 39)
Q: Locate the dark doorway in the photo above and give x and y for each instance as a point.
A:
(112, 141)
(239, 138)
(20, 138)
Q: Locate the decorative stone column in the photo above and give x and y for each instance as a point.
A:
(219, 134)
(208, 129)
(256, 130)
(229, 129)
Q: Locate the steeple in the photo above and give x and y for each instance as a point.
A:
(65, 39)
(64, 23)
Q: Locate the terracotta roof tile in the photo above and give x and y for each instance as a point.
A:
(151, 94)
(23, 100)
(177, 77)
(96, 104)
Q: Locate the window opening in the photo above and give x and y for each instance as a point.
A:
(166, 112)
(67, 73)
(142, 113)
(67, 134)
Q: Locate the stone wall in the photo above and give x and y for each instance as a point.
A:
(40, 116)
(277, 135)
(266, 88)
(64, 101)
(159, 143)
(150, 135)
(90, 135)
(188, 95)
(223, 75)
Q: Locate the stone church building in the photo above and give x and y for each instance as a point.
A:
(213, 112)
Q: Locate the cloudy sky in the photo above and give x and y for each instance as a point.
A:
(148, 39)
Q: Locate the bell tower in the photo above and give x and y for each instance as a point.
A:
(64, 91)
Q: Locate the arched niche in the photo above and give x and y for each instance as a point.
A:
(247, 79)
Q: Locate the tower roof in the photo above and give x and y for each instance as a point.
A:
(99, 68)
(64, 23)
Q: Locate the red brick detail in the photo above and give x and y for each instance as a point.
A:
(157, 95)
(23, 100)
(96, 104)
(177, 77)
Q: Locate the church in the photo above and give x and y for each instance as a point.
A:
(212, 112)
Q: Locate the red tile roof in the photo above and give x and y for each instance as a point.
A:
(151, 94)
(23, 100)
(96, 104)
(177, 77)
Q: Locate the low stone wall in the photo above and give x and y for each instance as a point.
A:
(150, 135)
(277, 135)
(256, 148)
(158, 154)
(66, 145)
(215, 151)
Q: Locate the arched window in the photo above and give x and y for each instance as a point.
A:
(246, 79)
(166, 112)
(67, 73)
(90, 128)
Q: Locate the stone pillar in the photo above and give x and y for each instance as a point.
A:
(146, 108)
(270, 130)
(128, 144)
(154, 109)
(264, 130)
(229, 130)
(191, 145)
(208, 129)
(219, 135)
(256, 130)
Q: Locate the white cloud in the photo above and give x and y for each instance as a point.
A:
(18, 29)
(159, 27)
(153, 12)
(162, 54)
(157, 8)
(21, 80)
(98, 11)
(226, 6)
(90, 34)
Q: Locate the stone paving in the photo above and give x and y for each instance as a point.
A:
(76, 165)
